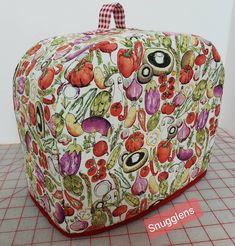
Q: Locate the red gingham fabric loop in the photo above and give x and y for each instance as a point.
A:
(105, 16)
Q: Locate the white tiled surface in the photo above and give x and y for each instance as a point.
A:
(22, 224)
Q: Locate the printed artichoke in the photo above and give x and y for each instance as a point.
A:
(49, 184)
(199, 90)
(29, 171)
(69, 163)
(153, 121)
(205, 161)
(73, 184)
(99, 218)
(163, 187)
(200, 136)
(56, 124)
(101, 103)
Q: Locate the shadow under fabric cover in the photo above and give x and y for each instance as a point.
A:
(115, 122)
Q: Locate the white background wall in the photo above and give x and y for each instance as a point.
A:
(24, 22)
(228, 110)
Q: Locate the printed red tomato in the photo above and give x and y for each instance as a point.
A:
(68, 211)
(106, 46)
(217, 110)
(170, 94)
(171, 81)
(32, 114)
(82, 74)
(163, 176)
(100, 148)
(162, 78)
(46, 79)
(34, 49)
(215, 54)
(91, 171)
(47, 113)
(134, 142)
(102, 175)
(89, 163)
(35, 147)
(101, 163)
(190, 118)
(116, 109)
(167, 108)
(144, 171)
(190, 162)
(39, 188)
(132, 212)
(164, 150)
(43, 160)
(95, 178)
(212, 120)
(162, 87)
(102, 169)
(200, 59)
(186, 74)
(22, 119)
(171, 88)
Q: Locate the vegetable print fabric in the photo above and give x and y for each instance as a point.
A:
(113, 122)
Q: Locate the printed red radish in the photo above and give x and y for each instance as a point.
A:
(117, 212)
(100, 148)
(116, 109)
(163, 176)
(215, 54)
(200, 59)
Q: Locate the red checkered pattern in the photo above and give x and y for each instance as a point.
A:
(22, 224)
(106, 13)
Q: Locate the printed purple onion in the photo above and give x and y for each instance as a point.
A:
(79, 225)
(179, 99)
(51, 125)
(134, 91)
(184, 154)
(183, 133)
(140, 186)
(218, 91)
(96, 124)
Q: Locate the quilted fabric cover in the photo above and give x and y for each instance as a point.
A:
(112, 122)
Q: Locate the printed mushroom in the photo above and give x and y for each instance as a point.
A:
(145, 73)
(102, 188)
(172, 131)
(161, 60)
(135, 160)
(40, 125)
(122, 158)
